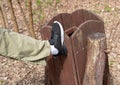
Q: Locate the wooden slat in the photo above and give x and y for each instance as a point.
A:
(79, 38)
(68, 63)
(106, 78)
(95, 63)
(70, 31)
(67, 21)
(55, 18)
(74, 19)
(51, 69)
(77, 17)
(78, 54)
(68, 70)
(61, 70)
(88, 15)
(57, 61)
(65, 78)
(46, 32)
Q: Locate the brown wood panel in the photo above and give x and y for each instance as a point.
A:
(66, 73)
(95, 63)
(68, 63)
(55, 18)
(63, 75)
(88, 15)
(67, 21)
(79, 38)
(51, 69)
(78, 54)
(106, 78)
(64, 18)
(78, 17)
(68, 70)
(74, 19)
(46, 32)
(60, 69)
(51, 72)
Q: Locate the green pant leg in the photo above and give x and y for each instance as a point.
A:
(22, 47)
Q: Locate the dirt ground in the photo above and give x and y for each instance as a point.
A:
(14, 72)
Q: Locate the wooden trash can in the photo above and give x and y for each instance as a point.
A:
(72, 70)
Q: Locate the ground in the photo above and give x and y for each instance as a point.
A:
(14, 72)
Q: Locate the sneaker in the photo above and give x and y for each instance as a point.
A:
(57, 38)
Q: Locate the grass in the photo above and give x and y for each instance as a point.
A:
(107, 8)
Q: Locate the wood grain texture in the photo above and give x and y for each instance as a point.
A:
(95, 64)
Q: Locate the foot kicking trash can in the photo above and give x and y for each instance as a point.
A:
(86, 63)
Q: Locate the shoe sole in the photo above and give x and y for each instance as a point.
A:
(64, 50)
(62, 31)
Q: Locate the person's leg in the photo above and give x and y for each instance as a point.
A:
(22, 47)
(25, 48)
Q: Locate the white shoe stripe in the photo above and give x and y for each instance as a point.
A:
(62, 31)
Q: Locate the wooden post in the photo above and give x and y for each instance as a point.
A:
(95, 64)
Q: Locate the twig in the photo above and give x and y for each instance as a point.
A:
(4, 14)
(31, 19)
(3, 19)
(13, 16)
